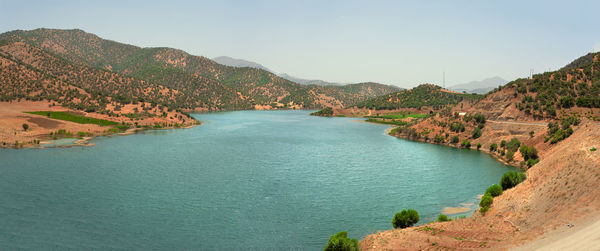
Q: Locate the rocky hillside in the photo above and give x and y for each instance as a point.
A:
(200, 83)
(548, 126)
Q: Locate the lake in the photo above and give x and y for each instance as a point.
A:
(242, 180)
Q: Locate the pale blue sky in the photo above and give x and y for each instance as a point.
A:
(393, 42)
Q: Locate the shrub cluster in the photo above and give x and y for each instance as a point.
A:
(556, 134)
(457, 127)
(530, 154)
(465, 144)
(325, 112)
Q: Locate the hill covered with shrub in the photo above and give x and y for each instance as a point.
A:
(425, 95)
(194, 82)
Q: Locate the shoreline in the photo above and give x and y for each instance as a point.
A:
(486, 151)
(84, 141)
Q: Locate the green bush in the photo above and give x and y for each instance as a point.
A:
(25, 127)
(479, 118)
(511, 179)
(457, 127)
(513, 145)
(493, 147)
(528, 152)
(341, 242)
(531, 162)
(476, 133)
(405, 219)
(325, 112)
(494, 190)
(484, 209)
(465, 144)
(478, 146)
(486, 200)
(454, 139)
(443, 217)
(510, 155)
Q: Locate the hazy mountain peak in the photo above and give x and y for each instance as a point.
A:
(480, 86)
(236, 62)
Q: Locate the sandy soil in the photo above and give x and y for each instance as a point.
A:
(582, 235)
(455, 210)
(12, 118)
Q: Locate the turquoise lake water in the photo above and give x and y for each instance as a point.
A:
(242, 180)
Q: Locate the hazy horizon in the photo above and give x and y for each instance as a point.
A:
(399, 43)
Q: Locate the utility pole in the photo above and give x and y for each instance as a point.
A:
(531, 73)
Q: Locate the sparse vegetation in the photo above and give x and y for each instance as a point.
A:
(25, 126)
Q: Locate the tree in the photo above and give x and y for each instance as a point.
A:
(406, 218)
(341, 242)
(493, 147)
(510, 155)
(454, 139)
(528, 152)
(465, 144)
(478, 146)
(25, 127)
(513, 145)
(494, 190)
(443, 217)
(486, 200)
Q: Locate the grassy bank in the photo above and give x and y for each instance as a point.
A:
(74, 118)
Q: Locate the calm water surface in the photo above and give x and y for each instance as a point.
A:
(242, 180)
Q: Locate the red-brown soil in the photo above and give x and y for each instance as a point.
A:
(12, 118)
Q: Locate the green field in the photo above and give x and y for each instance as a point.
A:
(398, 116)
(387, 122)
(74, 118)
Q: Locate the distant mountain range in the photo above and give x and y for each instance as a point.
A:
(235, 62)
(479, 87)
(307, 81)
